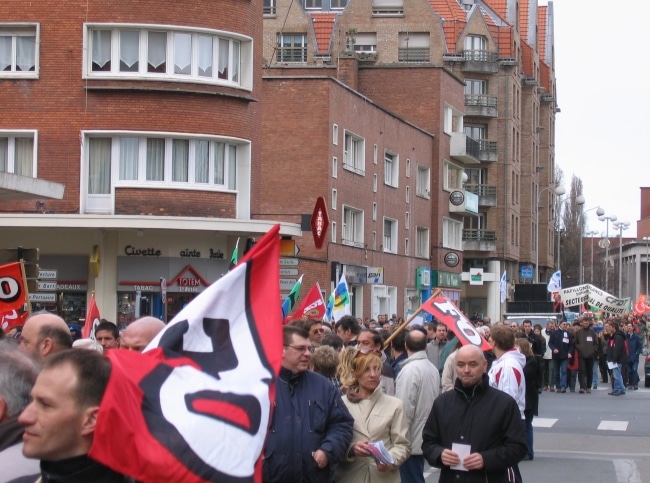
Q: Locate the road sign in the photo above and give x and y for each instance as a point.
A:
(47, 285)
(44, 274)
(320, 221)
(42, 297)
(284, 272)
(286, 284)
(289, 262)
(289, 248)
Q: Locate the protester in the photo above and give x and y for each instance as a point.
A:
(311, 427)
(325, 361)
(140, 332)
(531, 373)
(44, 334)
(434, 348)
(377, 417)
(60, 420)
(417, 386)
(481, 417)
(347, 328)
(634, 349)
(586, 342)
(562, 346)
(17, 375)
(398, 352)
(314, 328)
(372, 340)
(108, 336)
(616, 357)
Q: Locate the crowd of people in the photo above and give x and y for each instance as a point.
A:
(356, 401)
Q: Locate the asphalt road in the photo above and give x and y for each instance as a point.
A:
(593, 438)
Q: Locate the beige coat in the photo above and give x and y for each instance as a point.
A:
(379, 418)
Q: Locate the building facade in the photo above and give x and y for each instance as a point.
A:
(148, 114)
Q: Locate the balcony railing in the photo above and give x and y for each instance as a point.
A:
(480, 105)
(479, 240)
(421, 54)
(487, 150)
(480, 55)
(480, 61)
(464, 148)
(487, 194)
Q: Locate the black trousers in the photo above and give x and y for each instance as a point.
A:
(586, 372)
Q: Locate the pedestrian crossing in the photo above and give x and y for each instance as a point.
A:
(602, 426)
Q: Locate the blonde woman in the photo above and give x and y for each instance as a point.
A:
(345, 364)
(377, 417)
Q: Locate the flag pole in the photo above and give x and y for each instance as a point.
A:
(408, 321)
(28, 304)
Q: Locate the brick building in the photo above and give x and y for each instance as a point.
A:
(148, 115)
(478, 75)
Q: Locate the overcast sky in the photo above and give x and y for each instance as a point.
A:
(600, 61)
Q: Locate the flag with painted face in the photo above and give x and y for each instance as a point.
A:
(341, 300)
(195, 406)
(443, 309)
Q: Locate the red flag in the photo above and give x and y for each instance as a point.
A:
(195, 407)
(312, 306)
(92, 319)
(14, 307)
(445, 311)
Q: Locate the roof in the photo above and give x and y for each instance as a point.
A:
(323, 28)
(453, 18)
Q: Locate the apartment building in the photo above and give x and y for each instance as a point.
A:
(133, 132)
(478, 75)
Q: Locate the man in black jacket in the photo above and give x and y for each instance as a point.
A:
(60, 420)
(616, 357)
(562, 347)
(474, 420)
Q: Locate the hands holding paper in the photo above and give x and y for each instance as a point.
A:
(460, 458)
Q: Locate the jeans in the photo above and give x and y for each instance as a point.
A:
(560, 373)
(633, 372)
(586, 372)
(412, 470)
(549, 372)
(618, 379)
(594, 376)
(529, 433)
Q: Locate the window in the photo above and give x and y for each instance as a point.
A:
(476, 131)
(475, 87)
(388, 8)
(292, 48)
(413, 47)
(408, 168)
(375, 151)
(407, 220)
(408, 194)
(407, 248)
(140, 159)
(374, 183)
(452, 176)
(269, 7)
(476, 48)
(354, 153)
(422, 242)
(333, 232)
(338, 4)
(374, 240)
(18, 153)
(452, 234)
(335, 167)
(171, 55)
(374, 211)
(390, 235)
(19, 50)
(352, 226)
(335, 134)
(334, 199)
(391, 169)
(313, 4)
(453, 120)
(365, 42)
(423, 182)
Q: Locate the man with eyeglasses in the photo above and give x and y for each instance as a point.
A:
(316, 332)
(311, 428)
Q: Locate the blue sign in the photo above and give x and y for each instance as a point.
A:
(526, 272)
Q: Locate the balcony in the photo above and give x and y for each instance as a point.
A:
(480, 61)
(464, 148)
(487, 151)
(487, 195)
(480, 105)
(479, 241)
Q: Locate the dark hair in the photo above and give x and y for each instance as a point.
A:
(377, 339)
(288, 331)
(503, 337)
(307, 324)
(349, 322)
(108, 327)
(399, 341)
(61, 338)
(614, 323)
(416, 344)
(332, 340)
(92, 369)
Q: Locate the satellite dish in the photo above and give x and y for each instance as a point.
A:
(604, 243)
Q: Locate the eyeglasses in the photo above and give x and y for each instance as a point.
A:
(301, 348)
(318, 331)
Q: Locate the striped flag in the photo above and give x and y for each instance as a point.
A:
(233, 257)
(341, 299)
(291, 299)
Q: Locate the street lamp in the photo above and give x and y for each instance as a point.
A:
(609, 218)
(559, 191)
(600, 212)
(591, 273)
(579, 200)
(620, 225)
(646, 239)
